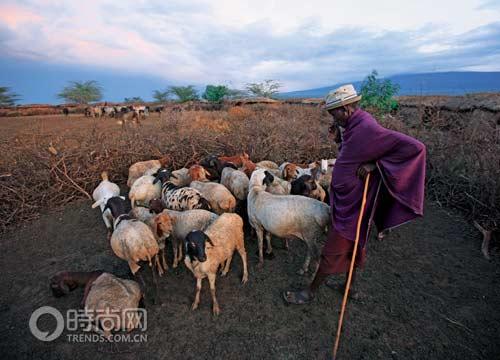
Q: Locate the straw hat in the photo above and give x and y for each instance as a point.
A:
(346, 94)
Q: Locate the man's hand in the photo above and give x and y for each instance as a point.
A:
(364, 169)
(335, 133)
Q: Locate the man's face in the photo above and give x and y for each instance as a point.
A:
(339, 115)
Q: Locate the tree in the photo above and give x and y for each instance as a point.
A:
(135, 99)
(184, 93)
(81, 92)
(215, 93)
(161, 96)
(267, 88)
(379, 94)
(7, 98)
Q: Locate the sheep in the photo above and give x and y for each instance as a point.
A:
(96, 111)
(236, 181)
(290, 171)
(183, 222)
(278, 186)
(108, 111)
(267, 164)
(308, 185)
(220, 198)
(143, 190)
(175, 198)
(149, 167)
(180, 177)
(112, 302)
(286, 216)
(198, 172)
(102, 193)
(65, 111)
(224, 236)
(133, 240)
(248, 167)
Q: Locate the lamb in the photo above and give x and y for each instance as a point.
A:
(104, 294)
(148, 167)
(175, 198)
(143, 190)
(220, 198)
(307, 185)
(183, 222)
(224, 236)
(290, 171)
(286, 216)
(102, 193)
(236, 181)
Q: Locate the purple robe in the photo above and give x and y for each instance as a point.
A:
(396, 191)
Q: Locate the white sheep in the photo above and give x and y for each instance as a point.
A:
(236, 181)
(285, 217)
(207, 251)
(112, 302)
(143, 190)
(267, 164)
(180, 177)
(102, 193)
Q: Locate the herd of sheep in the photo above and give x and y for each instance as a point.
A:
(201, 212)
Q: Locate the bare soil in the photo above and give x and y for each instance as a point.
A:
(428, 294)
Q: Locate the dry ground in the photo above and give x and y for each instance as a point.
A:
(429, 292)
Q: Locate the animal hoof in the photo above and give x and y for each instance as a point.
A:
(216, 311)
(269, 256)
(194, 306)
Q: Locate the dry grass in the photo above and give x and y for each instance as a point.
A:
(463, 152)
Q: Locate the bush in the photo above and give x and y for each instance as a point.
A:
(379, 94)
(7, 98)
(266, 89)
(215, 93)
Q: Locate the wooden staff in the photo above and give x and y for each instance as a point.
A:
(351, 269)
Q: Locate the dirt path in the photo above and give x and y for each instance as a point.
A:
(430, 296)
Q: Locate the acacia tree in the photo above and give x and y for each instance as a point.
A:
(184, 93)
(161, 96)
(7, 98)
(81, 92)
(215, 93)
(267, 88)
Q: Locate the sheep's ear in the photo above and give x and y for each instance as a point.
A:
(157, 177)
(245, 155)
(97, 203)
(207, 174)
(207, 239)
(158, 230)
(174, 176)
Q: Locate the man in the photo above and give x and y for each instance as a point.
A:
(396, 186)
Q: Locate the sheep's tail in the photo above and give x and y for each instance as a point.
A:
(104, 176)
(132, 201)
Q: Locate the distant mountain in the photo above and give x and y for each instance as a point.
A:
(442, 83)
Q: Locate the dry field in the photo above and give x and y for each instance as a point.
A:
(429, 292)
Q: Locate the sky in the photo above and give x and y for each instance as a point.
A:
(130, 45)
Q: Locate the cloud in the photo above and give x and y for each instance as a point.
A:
(231, 42)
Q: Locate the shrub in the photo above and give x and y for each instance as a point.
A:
(379, 94)
(215, 93)
(184, 93)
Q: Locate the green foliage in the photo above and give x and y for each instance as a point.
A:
(81, 92)
(184, 93)
(215, 93)
(7, 98)
(379, 94)
(267, 88)
(135, 99)
(161, 96)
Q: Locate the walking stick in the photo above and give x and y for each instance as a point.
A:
(351, 269)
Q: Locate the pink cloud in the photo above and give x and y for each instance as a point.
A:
(14, 15)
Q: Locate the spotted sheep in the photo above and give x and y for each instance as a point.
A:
(180, 199)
